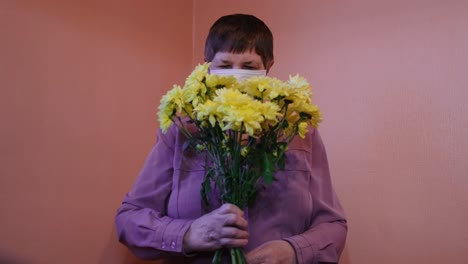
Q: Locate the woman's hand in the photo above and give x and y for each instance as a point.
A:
(223, 227)
(272, 252)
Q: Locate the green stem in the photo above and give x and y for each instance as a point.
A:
(241, 255)
(217, 256)
(237, 256)
(233, 256)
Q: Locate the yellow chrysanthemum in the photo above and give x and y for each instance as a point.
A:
(263, 87)
(216, 81)
(245, 151)
(231, 97)
(165, 121)
(246, 119)
(208, 111)
(316, 118)
(299, 90)
(254, 86)
(252, 105)
(239, 111)
(302, 129)
(199, 73)
(174, 97)
(299, 82)
(276, 89)
(270, 111)
(195, 90)
(194, 93)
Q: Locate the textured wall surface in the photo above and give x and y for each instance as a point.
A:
(390, 78)
(80, 83)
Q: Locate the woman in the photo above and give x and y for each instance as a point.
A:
(297, 219)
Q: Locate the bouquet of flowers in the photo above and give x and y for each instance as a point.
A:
(244, 127)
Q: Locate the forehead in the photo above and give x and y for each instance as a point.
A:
(247, 56)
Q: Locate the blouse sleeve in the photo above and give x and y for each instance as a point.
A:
(324, 241)
(141, 221)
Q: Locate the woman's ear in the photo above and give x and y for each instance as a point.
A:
(269, 65)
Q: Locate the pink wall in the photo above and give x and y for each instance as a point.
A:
(391, 79)
(80, 85)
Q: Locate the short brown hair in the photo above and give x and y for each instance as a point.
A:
(238, 33)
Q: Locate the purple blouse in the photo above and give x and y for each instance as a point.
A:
(300, 207)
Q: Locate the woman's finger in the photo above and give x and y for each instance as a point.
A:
(232, 232)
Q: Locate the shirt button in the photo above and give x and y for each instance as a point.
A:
(163, 244)
(173, 245)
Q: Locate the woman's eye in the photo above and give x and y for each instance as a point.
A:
(225, 66)
(247, 67)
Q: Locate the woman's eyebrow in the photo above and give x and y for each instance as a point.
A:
(250, 62)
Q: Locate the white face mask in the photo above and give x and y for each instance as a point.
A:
(240, 74)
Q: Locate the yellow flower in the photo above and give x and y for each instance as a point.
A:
(199, 73)
(299, 82)
(244, 151)
(271, 112)
(165, 122)
(195, 90)
(276, 89)
(216, 81)
(175, 98)
(171, 103)
(316, 118)
(302, 129)
(194, 93)
(252, 120)
(262, 87)
(239, 111)
(231, 97)
(254, 86)
(251, 106)
(207, 111)
(200, 147)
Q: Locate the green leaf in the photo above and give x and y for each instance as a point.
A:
(281, 162)
(206, 188)
(305, 115)
(268, 168)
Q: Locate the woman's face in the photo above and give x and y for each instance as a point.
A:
(248, 60)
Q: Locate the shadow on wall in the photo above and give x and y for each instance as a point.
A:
(117, 253)
(113, 253)
(7, 258)
(345, 258)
